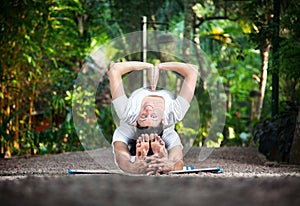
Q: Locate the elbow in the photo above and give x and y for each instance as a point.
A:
(193, 71)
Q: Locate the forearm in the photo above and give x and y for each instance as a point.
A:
(190, 74)
(184, 69)
(139, 166)
(122, 157)
(117, 70)
(124, 163)
(122, 68)
(176, 157)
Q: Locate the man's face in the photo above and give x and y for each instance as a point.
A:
(152, 110)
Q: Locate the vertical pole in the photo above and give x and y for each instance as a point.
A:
(144, 47)
(275, 43)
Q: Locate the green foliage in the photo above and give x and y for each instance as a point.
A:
(229, 49)
(289, 52)
(54, 140)
(275, 135)
(42, 49)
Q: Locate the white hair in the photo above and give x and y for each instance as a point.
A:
(135, 100)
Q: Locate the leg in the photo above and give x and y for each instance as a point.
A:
(142, 146)
(157, 145)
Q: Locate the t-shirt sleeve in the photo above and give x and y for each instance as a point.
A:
(171, 138)
(123, 133)
(181, 107)
(120, 104)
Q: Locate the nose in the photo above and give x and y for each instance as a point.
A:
(148, 109)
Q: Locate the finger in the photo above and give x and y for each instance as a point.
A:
(158, 171)
(151, 170)
(150, 173)
(156, 165)
(155, 156)
(154, 161)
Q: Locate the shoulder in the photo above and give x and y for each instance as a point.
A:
(124, 132)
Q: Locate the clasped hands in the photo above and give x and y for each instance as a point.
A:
(152, 165)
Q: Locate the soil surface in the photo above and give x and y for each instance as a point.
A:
(247, 179)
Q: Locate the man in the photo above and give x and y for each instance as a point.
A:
(149, 118)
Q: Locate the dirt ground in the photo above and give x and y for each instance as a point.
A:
(247, 179)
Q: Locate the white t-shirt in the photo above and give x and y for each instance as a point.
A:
(128, 110)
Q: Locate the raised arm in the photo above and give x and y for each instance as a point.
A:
(190, 74)
(117, 70)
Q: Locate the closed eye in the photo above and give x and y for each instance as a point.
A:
(154, 117)
(143, 117)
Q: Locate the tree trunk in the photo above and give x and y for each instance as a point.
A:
(265, 50)
(2, 149)
(30, 116)
(188, 26)
(295, 150)
(7, 143)
(16, 144)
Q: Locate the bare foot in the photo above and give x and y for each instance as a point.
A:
(142, 146)
(157, 145)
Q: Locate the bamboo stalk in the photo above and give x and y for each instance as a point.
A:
(17, 128)
(31, 107)
(2, 117)
(7, 143)
(16, 144)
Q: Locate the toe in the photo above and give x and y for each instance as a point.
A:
(146, 138)
(142, 138)
(157, 138)
(152, 137)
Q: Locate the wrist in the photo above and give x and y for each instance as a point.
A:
(178, 165)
